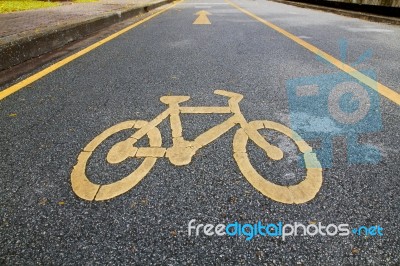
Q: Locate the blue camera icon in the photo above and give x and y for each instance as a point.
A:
(330, 105)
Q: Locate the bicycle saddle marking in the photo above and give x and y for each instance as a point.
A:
(174, 99)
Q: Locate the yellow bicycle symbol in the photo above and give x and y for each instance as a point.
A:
(182, 151)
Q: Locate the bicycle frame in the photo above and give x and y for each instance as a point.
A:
(182, 150)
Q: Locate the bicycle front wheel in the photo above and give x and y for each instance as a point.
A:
(86, 189)
(302, 192)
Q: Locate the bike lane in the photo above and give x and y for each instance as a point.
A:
(45, 126)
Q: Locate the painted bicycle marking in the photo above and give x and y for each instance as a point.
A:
(182, 151)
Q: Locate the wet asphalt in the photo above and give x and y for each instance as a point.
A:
(44, 127)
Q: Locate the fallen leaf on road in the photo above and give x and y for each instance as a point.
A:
(42, 201)
(355, 251)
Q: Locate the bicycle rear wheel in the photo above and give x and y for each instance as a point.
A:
(86, 189)
(302, 192)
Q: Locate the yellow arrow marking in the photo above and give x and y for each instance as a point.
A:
(202, 18)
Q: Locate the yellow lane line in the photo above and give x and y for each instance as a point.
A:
(373, 84)
(44, 72)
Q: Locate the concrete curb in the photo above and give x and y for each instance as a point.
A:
(340, 10)
(17, 50)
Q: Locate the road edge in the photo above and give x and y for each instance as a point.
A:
(18, 50)
(343, 12)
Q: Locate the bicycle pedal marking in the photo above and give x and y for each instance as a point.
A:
(182, 151)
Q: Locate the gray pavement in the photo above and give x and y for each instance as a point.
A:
(47, 124)
(39, 20)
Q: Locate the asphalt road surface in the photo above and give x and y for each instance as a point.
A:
(272, 55)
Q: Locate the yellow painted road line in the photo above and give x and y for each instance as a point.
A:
(44, 72)
(373, 84)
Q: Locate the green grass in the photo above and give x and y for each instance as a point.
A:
(7, 6)
(84, 1)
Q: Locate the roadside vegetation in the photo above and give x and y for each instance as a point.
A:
(7, 6)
